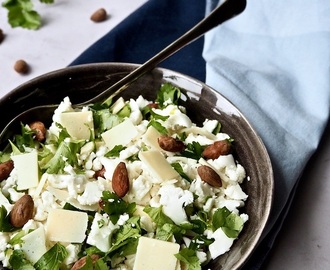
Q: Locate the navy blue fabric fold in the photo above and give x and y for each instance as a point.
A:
(147, 31)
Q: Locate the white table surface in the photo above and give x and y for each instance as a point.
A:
(304, 242)
(67, 32)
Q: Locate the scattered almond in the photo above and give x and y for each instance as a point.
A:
(208, 175)
(21, 66)
(170, 144)
(22, 211)
(99, 15)
(120, 180)
(5, 169)
(82, 261)
(217, 149)
(39, 129)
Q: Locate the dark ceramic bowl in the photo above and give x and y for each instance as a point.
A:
(83, 82)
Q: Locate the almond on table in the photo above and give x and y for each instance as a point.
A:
(21, 66)
(99, 15)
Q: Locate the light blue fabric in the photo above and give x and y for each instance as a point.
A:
(273, 63)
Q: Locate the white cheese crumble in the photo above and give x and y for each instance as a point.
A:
(100, 233)
(173, 200)
(221, 244)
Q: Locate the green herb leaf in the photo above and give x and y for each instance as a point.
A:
(193, 150)
(18, 261)
(88, 264)
(146, 112)
(158, 126)
(229, 222)
(168, 92)
(5, 225)
(21, 14)
(97, 265)
(4, 156)
(52, 259)
(219, 218)
(125, 111)
(17, 239)
(168, 230)
(157, 215)
(47, 1)
(157, 116)
(44, 156)
(98, 106)
(100, 265)
(90, 250)
(127, 235)
(125, 248)
(65, 154)
(189, 258)
(25, 139)
(203, 215)
(217, 129)
(105, 120)
(200, 241)
(56, 164)
(15, 150)
(114, 206)
(199, 226)
(63, 134)
(114, 152)
(177, 166)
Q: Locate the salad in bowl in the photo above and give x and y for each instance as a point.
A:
(132, 183)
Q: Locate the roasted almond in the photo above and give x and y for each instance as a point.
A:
(40, 130)
(21, 67)
(22, 211)
(120, 180)
(99, 15)
(170, 144)
(217, 149)
(82, 261)
(208, 175)
(5, 169)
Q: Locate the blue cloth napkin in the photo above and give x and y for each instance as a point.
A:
(272, 62)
